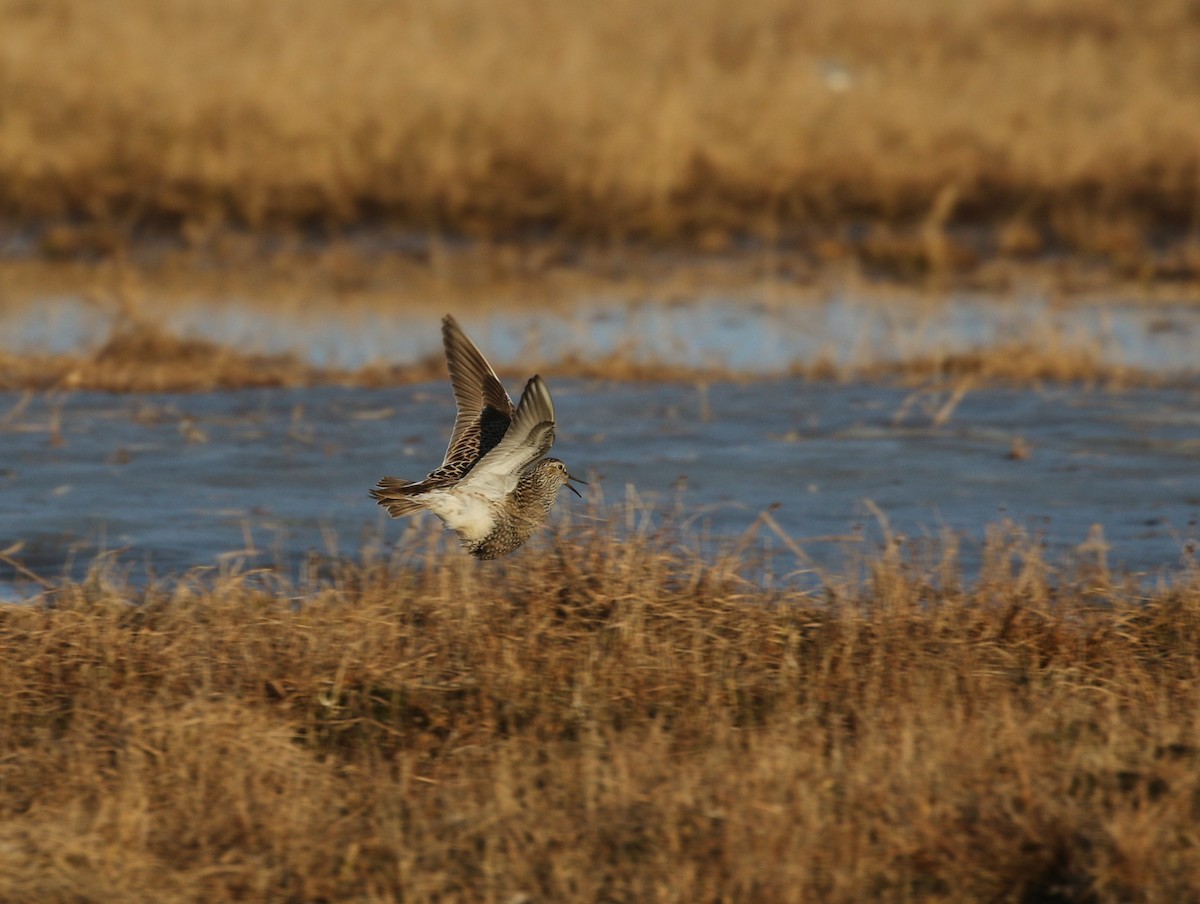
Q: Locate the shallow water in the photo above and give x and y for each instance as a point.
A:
(734, 334)
(183, 480)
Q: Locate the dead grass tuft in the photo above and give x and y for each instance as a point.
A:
(1017, 364)
(141, 357)
(624, 721)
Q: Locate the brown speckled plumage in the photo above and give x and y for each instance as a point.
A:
(523, 510)
(495, 485)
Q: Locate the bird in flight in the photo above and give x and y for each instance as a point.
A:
(495, 486)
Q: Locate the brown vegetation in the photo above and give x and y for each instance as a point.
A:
(145, 359)
(1015, 364)
(139, 356)
(1060, 124)
(625, 721)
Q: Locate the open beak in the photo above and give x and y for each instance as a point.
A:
(572, 489)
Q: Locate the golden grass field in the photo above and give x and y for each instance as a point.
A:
(605, 717)
(1054, 123)
(610, 715)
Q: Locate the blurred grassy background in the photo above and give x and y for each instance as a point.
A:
(1073, 120)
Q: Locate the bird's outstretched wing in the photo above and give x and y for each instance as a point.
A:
(485, 410)
(529, 437)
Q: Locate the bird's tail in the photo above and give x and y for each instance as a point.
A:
(400, 497)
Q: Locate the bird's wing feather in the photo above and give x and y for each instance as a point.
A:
(485, 410)
(529, 437)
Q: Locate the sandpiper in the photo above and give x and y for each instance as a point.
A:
(495, 485)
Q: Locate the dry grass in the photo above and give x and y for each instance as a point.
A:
(1025, 364)
(624, 722)
(1061, 123)
(377, 268)
(143, 358)
(139, 356)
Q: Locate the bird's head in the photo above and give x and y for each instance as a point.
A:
(559, 474)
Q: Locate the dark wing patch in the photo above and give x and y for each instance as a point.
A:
(529, 437)
(484, 408)
(492, 427)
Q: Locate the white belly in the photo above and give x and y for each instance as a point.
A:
(468, 514)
